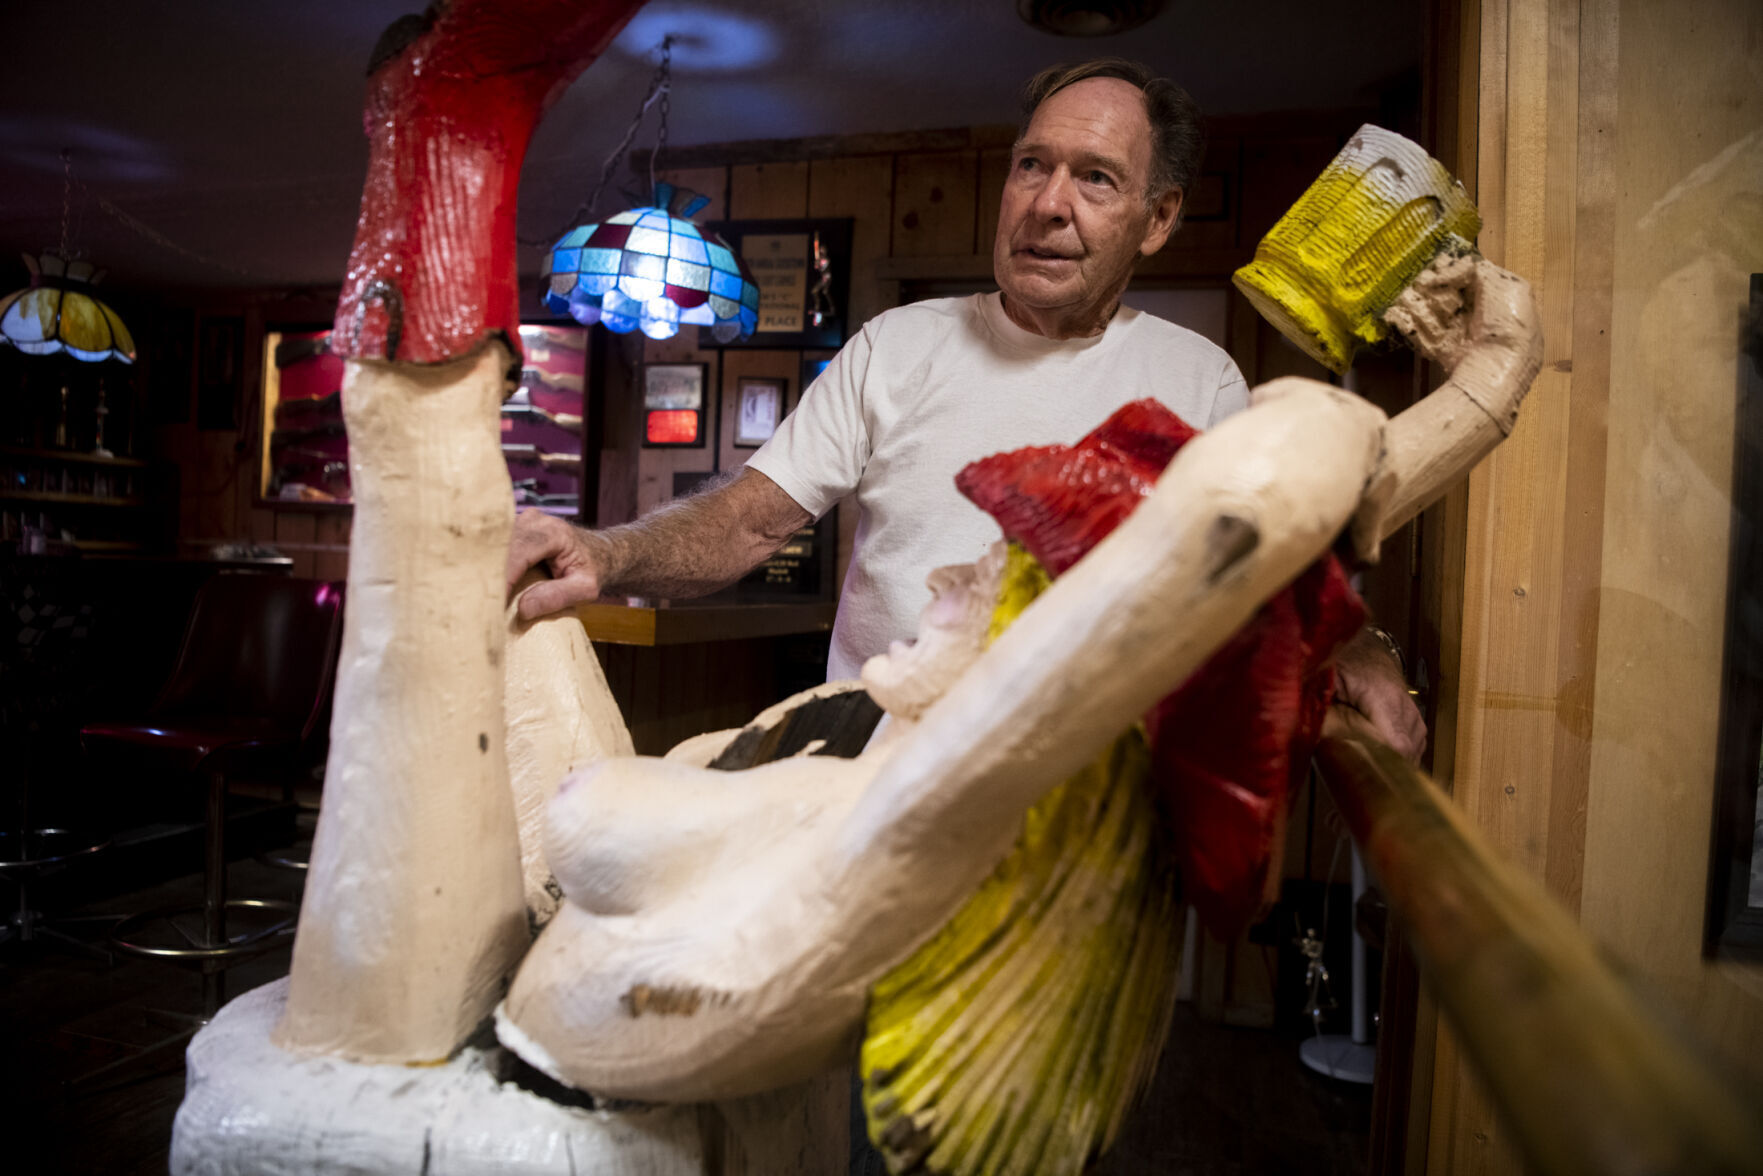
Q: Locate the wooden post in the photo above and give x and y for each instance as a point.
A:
(1580, 720)
(1588, 1081)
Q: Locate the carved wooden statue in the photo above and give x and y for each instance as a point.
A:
(721, 933)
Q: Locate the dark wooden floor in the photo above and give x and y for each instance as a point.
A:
(1237, 1102)
(63, 1017)
(1226, 1102)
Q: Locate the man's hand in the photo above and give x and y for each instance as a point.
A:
(1371, 698)
(572, 556)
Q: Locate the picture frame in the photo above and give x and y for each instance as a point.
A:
(220, 371)
(1733, 922)
(781, 256)
(760, 405)
(170, 365)
(814, 365)
(673, 405)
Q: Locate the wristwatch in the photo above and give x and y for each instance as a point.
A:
(1391, 644)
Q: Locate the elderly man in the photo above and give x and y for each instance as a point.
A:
(1097, 178)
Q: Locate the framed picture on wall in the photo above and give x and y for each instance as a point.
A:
(220, 366)
(170, 346)
(802, 269)
(1733, 927)
(673, 405)
(758, 409)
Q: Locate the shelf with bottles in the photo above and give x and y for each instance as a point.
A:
(29, 474)
(305, 448)
(60, 405)
(70, 457)
(31, 529)
(68, 478)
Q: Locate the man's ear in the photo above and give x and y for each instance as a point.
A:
(1163, 217)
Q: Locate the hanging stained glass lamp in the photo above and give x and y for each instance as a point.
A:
(647, 269)
(59, 312)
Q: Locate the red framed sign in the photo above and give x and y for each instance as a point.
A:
(673, 405)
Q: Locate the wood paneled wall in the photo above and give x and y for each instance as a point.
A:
(1603, 151)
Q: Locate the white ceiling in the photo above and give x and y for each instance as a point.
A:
(218, 142)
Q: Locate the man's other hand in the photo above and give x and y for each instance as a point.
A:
(568, 553)
(1369, 682)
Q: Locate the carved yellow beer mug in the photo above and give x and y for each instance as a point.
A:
(1373, 220)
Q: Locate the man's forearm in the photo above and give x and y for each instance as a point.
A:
(696, 545)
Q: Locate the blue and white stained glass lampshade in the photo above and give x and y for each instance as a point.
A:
(58, 312)
(646, 269)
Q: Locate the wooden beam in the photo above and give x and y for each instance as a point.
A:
(621, 624)
(1533, 511)
(1591, 1084)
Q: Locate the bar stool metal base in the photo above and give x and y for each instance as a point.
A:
(294, 857)
(189, 935)
(24, 857)
(179, 934)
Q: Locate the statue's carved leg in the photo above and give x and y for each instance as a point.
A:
(414, 914)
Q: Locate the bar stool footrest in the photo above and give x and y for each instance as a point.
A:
(270, 924)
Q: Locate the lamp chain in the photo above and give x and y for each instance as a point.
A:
(66, 196)
(659, 87)
(664, 77)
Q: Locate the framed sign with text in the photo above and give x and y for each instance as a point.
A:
(803, 271)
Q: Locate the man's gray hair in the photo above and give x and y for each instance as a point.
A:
(1178, 133)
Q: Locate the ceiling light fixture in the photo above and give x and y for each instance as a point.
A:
(58, 311)
(650, 268)
(1087, 18)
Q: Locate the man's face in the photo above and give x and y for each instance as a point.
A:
(1074, 215)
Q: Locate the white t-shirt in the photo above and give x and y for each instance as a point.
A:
(927, 388)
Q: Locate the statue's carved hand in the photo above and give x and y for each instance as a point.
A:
(1434, 312)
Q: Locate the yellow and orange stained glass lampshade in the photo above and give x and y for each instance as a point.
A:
(58, 312)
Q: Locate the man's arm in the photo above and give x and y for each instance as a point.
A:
(1369, 682)
(686, 548)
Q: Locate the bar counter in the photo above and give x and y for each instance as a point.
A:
(688, 622)
(679, 670)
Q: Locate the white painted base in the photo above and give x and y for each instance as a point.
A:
(1339, 1056)
(251, 1107)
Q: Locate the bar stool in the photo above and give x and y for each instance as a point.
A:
(251, 685)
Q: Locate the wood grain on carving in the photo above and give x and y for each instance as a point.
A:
(561, 717)
(413, 915)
